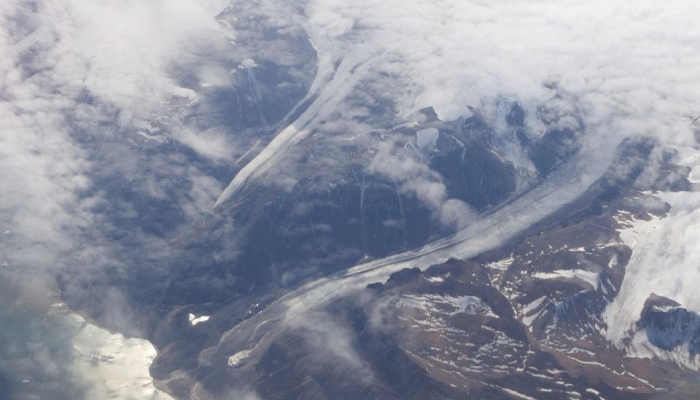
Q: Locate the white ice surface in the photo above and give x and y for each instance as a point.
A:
(664, 260)
(331, 85)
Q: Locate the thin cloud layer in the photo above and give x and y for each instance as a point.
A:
(630, 64)
(79, 78)
(629, 68)
(77, 73)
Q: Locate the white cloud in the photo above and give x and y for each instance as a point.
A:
(72, 69)
(330, 339)
(456, 213)
(399, 160)
(630, 67)
(211, 143)
(630, 63)
(75, 74)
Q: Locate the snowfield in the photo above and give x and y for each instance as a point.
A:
(664, 262)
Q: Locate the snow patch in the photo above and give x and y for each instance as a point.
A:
(534, 305)
(435, 304)
(635, 228)
(592, 278)
(502, 264)
(518, 395)
(194, 320)
(238, 358)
